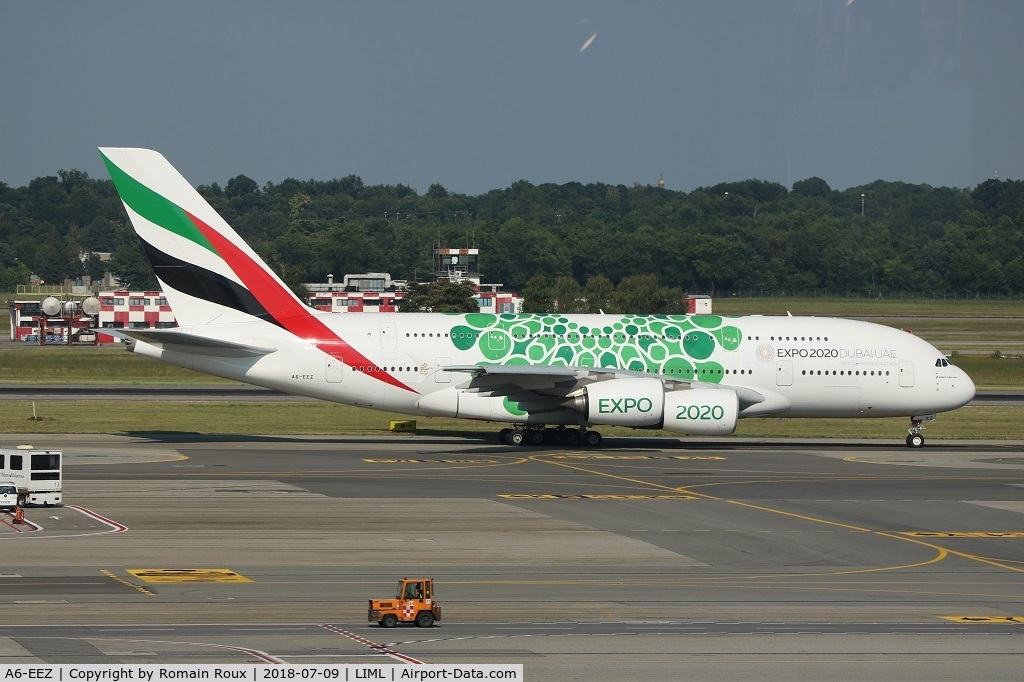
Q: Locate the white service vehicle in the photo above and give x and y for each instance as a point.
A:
(8, 495)
(35, 474)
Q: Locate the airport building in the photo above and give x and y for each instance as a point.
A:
(374, 292)
(72, 321)
(53, 321)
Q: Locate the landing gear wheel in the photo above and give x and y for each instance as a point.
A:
(535, 437)
(388, 620)
(572, 437)
(553, 436)
(592, 439)
(424, 619)
(516, 438)
(503, 436)
(914, 437)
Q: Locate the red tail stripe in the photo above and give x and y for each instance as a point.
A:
(286, 309)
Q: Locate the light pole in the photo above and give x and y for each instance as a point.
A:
(862, 204)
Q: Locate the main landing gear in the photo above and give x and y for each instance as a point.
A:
(561, 435)
(914, 437)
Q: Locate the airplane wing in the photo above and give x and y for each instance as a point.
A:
(546, 382)
(181, 342)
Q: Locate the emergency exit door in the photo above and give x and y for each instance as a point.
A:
(388, 336)
(784, 373)
(906, 374)
(335, 370)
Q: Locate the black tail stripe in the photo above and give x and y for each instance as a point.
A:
(205, 284)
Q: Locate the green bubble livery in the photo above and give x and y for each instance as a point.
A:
(673, 345)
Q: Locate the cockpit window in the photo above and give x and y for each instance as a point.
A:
(942, 362)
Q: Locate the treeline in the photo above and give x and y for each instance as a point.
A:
(749, 235)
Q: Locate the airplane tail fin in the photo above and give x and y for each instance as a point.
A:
(208, 273)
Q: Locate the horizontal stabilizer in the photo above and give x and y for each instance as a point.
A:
(181, 342)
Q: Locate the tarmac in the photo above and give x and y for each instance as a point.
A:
(647, 558)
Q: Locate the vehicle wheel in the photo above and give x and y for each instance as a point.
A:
(915, 440)
(388, 620)
(503, 436)
(592, 439)
(516, 438)
(572, 437)
(553, 436)
(536, 437)
(424, 619)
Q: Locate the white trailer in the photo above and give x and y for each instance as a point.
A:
(37, 474)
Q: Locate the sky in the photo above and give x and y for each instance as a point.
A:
(477, 94)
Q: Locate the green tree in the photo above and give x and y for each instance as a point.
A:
(437, 191)
(439, 297)
(641, 295)
(240, 185)
(566, 293)
(13, 275)
(129, 264)
(812, 187)
(538, 295)
(600, 295)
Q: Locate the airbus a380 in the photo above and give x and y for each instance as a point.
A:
(545, 376)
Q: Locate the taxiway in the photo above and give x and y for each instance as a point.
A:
(722, 557)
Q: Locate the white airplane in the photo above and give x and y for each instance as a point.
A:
(549, 377)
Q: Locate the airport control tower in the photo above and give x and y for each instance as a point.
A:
(463, 265)
(457, 265)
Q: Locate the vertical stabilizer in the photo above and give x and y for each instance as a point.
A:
(208, 273)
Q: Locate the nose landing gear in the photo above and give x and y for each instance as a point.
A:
(914, 437)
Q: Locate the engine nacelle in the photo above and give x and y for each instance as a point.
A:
(643, 403)
(702, 411)
(622, 402)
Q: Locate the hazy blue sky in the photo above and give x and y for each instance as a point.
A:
(477, 95)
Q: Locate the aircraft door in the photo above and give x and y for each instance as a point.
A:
(388, 335)
(906, 374)
(784, 373)
(335, 371)
(497, 341)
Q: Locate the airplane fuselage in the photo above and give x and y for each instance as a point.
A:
(799, 366)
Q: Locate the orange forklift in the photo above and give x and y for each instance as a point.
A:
(413, 603)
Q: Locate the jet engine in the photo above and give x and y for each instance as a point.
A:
(643, 403)
(702, 411)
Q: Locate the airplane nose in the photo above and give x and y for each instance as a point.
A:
(964, 388)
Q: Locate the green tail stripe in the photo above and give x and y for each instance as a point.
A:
(154, 207)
